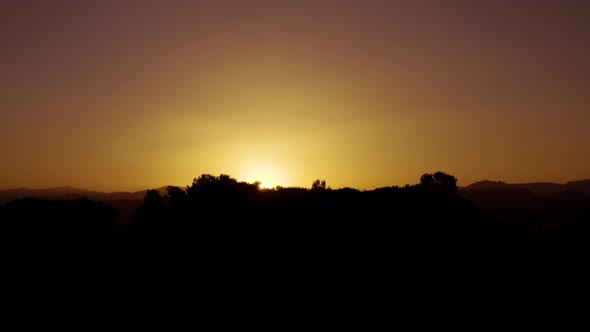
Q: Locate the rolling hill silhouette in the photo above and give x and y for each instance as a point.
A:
(67, 192)
(537, 188)
(545, 205)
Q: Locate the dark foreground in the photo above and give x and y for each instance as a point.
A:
(296, 256)
(221, 233)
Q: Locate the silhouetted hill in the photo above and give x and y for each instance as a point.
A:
(538, 188)
(583, 185)
(500, 197)
(58, 192)
(486, 184)
(543, 206)
(67, 192)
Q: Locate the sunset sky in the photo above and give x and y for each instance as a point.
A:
(128, 95)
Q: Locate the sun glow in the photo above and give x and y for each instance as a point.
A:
(268, 175)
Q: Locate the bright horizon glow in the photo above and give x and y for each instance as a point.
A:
(124, 95)
(269, 175)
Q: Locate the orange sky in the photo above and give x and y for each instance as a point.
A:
(127, 95)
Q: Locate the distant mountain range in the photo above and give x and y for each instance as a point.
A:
(548, 204)
(71, 193)
(537, 188)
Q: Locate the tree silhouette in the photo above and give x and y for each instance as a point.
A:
(439, 180)
(177, 197)
(153, 199)
(427, 180)
(319, 185)
(150, 214)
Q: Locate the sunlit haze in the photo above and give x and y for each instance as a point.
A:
(128, 95)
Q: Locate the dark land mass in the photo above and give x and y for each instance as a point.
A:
(547, 206)
(538, 188)
(219, 232)
(69, 193)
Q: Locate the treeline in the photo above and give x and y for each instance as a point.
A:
(238, 232)
(220, 209)
(224, 200)
(220, 231)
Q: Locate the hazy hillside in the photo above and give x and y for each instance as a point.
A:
(538, 188)
(583, 185)
(71, 193)
(546, 205)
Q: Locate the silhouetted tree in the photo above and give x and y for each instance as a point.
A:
(318, 185)
(153, 200)
(446, 181)
(152, 212)
(177, 197)
(439, 180)
(427, 180)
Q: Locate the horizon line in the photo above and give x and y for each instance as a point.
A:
(290, 186)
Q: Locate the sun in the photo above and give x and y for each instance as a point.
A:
(267, 174)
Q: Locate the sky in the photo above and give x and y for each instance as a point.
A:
(127, 95)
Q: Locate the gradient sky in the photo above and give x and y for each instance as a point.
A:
(128, 95)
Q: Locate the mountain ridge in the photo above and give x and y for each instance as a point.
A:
(538, 188)
(68, 192)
